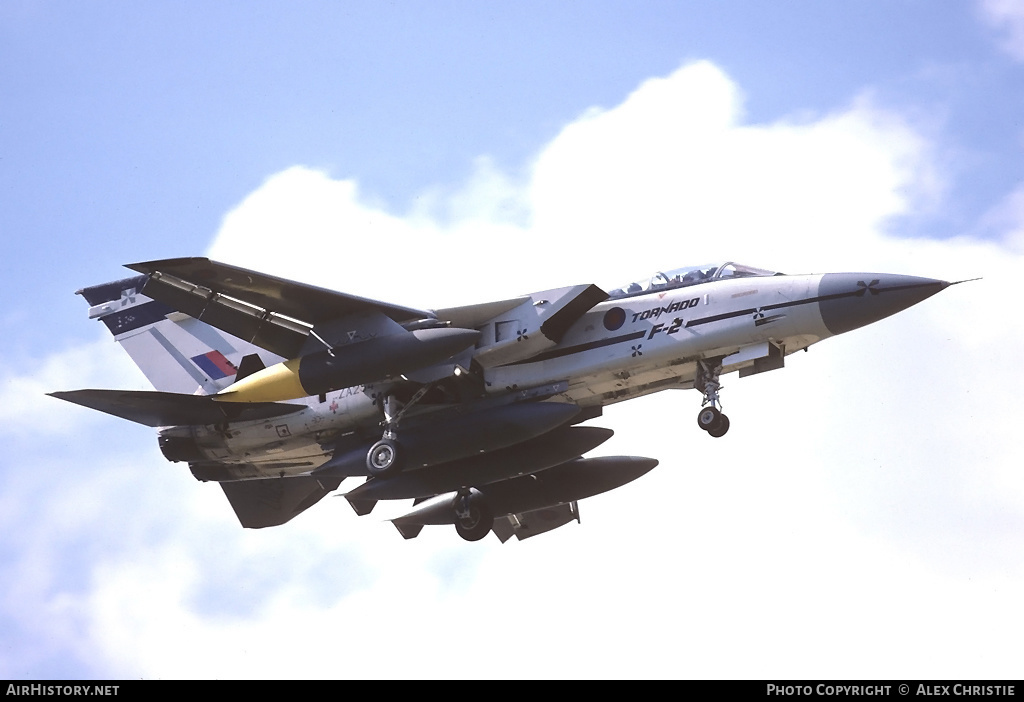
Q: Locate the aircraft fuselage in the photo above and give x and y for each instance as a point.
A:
(622, 348)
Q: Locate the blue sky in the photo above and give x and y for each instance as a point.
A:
(444, 153)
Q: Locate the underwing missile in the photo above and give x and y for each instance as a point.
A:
(551, 449)
(575, 480)
(354, 364)
(429, 441)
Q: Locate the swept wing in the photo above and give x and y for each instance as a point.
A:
(274, 313)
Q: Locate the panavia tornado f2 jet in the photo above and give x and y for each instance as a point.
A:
(279, 390)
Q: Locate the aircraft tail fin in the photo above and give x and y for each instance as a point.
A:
(177, 353)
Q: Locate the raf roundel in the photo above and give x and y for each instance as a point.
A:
(614, 318)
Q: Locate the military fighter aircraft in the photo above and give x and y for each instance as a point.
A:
(279, 390)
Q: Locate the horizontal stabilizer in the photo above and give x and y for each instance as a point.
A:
(164, 409)
(266, 503)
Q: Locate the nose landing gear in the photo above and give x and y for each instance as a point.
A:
(710, 418)
(713, 421)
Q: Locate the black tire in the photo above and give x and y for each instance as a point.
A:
(477, 525)
(382, 459)
(721, 428)
(708, 418)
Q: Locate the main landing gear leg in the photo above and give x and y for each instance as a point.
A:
(710, 417)
(473, 518)
(382, 460)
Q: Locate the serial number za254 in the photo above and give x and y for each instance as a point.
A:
(658, 311)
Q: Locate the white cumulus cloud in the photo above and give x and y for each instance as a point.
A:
(863, 517)
(1007, 16)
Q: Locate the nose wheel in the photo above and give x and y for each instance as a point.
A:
(711, 420)
(710, 417)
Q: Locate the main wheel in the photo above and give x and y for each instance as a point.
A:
(720, 428)
(382, 459)
(477, 524)
(708, 418)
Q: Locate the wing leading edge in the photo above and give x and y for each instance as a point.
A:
(273, 313)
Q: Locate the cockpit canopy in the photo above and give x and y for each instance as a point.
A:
(691, 275)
